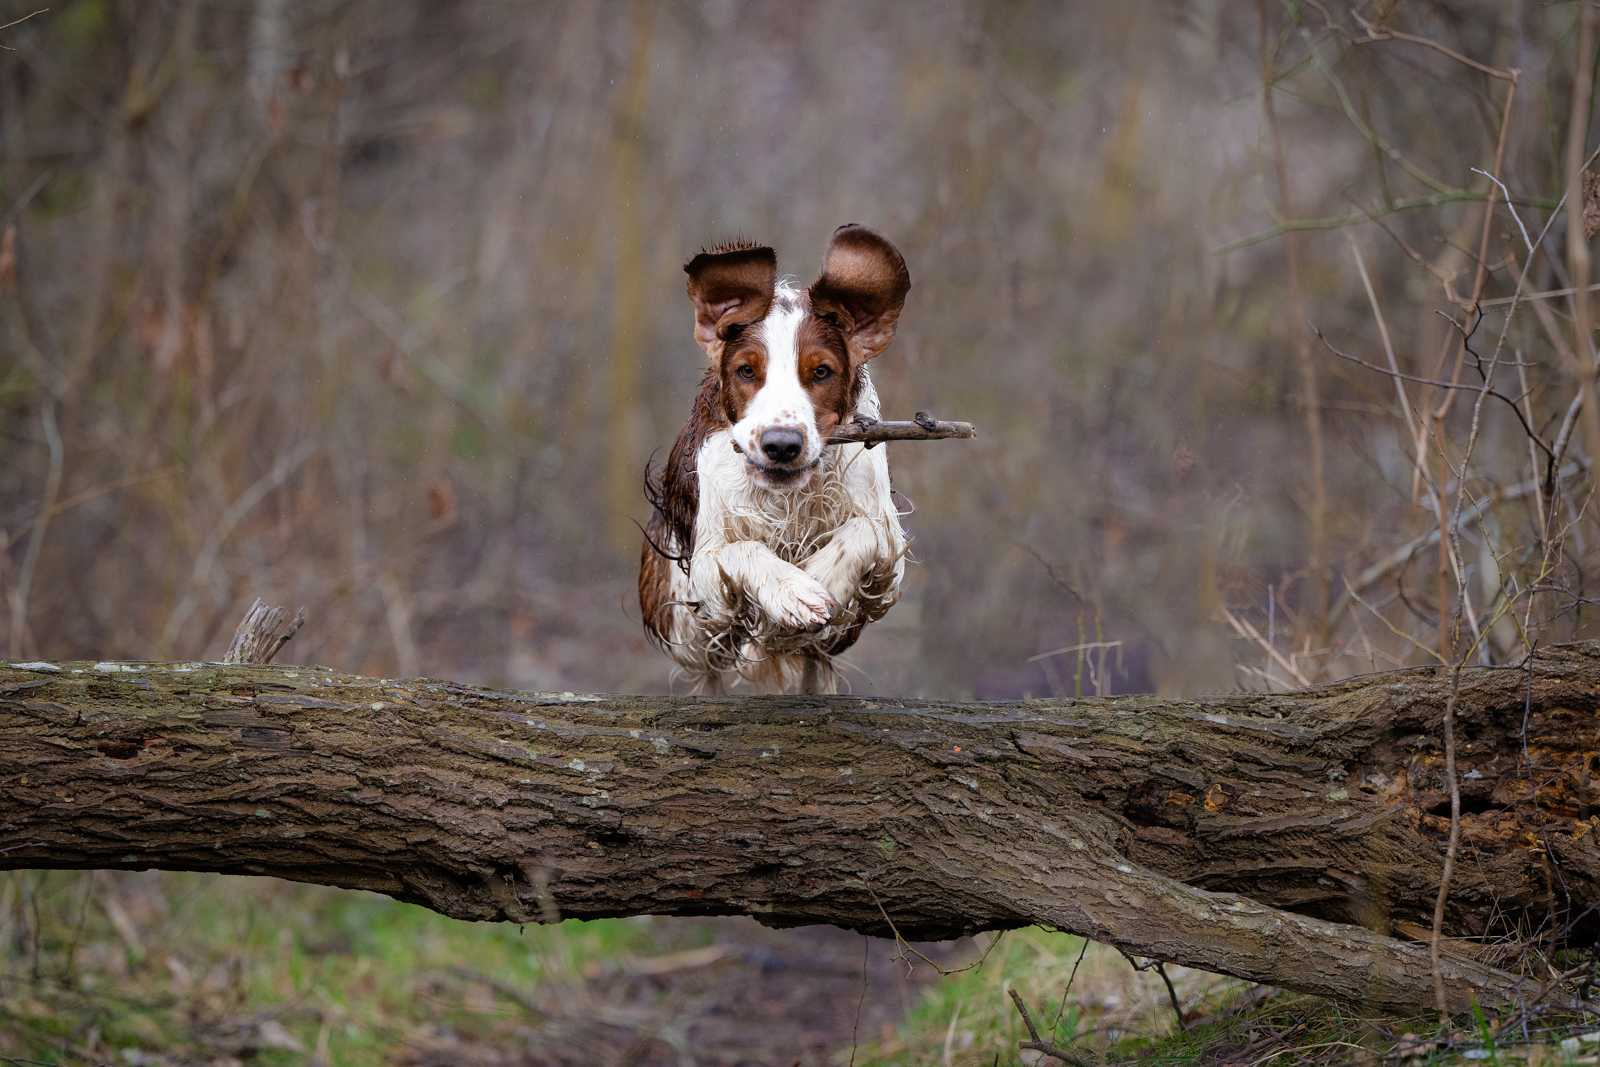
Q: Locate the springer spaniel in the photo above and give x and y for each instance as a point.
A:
(769, 548)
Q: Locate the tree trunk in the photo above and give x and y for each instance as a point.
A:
(1277, 837)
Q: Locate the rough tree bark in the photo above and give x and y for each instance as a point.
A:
(1280, 838)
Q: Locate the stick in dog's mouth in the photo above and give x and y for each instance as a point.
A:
(923, 428)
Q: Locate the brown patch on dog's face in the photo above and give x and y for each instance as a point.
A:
(743, 370)
(824, 369)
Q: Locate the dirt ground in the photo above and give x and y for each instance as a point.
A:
(773, 998)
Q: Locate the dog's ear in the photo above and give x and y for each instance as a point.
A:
(730, 287)
(864, 284)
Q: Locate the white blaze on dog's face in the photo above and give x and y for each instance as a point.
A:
(789, 361)
(785, 386)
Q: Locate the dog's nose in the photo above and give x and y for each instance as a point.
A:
(782, 446)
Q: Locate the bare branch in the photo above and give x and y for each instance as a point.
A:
(1532, 435)
(1375, 35)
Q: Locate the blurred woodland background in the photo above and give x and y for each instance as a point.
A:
(376, 308)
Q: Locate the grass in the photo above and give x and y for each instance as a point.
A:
(156, 965)
(1112, 1011)
(155, 969)
(1116, 1014)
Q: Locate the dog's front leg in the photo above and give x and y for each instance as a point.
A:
(857, 547)
(790, 597)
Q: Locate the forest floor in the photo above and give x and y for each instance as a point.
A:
(158, 969)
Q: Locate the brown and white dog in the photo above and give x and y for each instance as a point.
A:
(769, 548)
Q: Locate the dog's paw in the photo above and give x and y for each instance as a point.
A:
(839, 568)
(799, 602)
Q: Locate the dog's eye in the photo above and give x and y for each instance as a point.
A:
(747, 372)
(822, 373)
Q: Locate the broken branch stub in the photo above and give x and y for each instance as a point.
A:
(1279, 837)
(257, 639)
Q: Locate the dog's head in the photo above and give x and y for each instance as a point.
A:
(790, 360)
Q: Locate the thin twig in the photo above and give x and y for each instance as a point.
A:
(1050, 569)
(1039, 1044)
(27, 194)
(1563, 439)
(287, 464)
(1509, 205)
(1437, 383)
(866, 954)
(1161, 969)
(25, 18)
(1533, 454)
(905, 946)
(1409, 639)
(1372, 136)
(1074, 648)
(1547, 294)
(1454, 196)
(1375, 35)
(1378, 571)
(1445, 279)
(1383, 331)
(1067, 989)
(1250, 632)
(87, 495)
(1172, 994)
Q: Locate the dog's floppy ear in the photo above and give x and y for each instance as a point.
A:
(730, 286)
(864, 283)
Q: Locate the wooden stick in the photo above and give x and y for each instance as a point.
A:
(923, 428)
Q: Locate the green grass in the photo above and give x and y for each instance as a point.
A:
(1116, 1014)
(93, 965)
(1112, 1009)
(159, 968)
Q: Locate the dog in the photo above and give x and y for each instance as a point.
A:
(769, 548)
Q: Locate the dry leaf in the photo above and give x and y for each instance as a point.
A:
(442, 500)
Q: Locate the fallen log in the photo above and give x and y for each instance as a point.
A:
(1278, 837)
